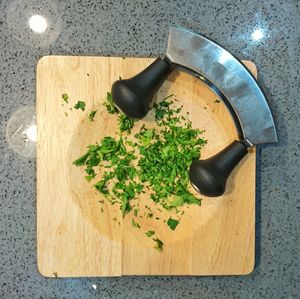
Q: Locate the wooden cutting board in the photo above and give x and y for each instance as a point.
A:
(74, 238)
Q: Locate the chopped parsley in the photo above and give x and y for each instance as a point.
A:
(155, 159)
(109, 104)
(172, 223)
(159, 244)
(135, 224)
(150, 233)
(125, 123)
(80, 105)
(65, 97)
(92, 115)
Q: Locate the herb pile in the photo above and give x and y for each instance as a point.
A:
(153, 161)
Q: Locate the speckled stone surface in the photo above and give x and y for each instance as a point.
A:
(140, 28)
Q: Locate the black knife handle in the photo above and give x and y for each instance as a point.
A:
(133, 96)
(209, 176)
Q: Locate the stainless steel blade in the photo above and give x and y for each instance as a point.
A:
(204, 57)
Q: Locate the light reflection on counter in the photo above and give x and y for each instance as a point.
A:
(36, 23)
(257, 34)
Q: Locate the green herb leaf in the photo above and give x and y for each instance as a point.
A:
(125, 207)
(191, 199)
(159, 244)
(135, 224)
(102, 187)
(172, 223)
(81, 160)
(80, 105)
(92, 115)
(65, 97)
(110, 106)
(125, 123)
(89, 177)
(150, 233)
(177, 202)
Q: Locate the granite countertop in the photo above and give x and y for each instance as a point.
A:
(267, 32)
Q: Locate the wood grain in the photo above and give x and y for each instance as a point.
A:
(74, 238)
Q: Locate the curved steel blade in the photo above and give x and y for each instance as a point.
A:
(201, 55)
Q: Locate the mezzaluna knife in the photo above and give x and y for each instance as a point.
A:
(228, 78)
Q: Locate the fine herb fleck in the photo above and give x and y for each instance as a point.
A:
(135, 224)
(217, 101)
(80, 105)
(172, 223)
(65, 97)
(55, 274)
(159, 244)
(92, 115)
(150, 233)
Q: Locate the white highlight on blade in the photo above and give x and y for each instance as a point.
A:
(224, 57)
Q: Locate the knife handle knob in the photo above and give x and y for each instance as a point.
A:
(209, 176)
(133, 96)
